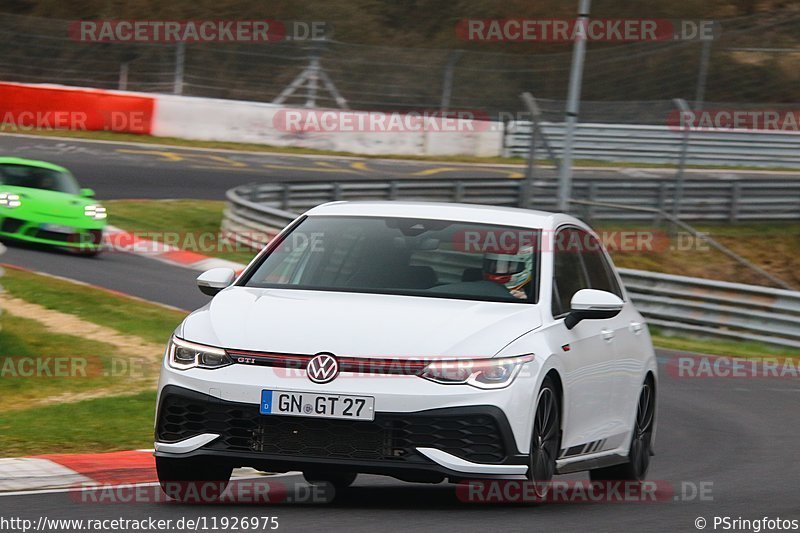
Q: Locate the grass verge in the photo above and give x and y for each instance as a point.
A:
(36, 363)
(187, 224)
(98, 425)
(151, 322)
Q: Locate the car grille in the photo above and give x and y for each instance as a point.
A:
(11, 225)
(392, 437)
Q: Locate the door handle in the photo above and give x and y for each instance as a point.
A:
(636, 327)
(608, 335)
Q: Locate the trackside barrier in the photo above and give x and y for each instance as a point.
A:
(678, 304)
(656, 144)
(729, 200)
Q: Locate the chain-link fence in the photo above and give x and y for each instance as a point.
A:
(753, 60)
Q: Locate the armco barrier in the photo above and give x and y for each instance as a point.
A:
(25, 107)
(729, 200)
(672, 303)
(662, 144)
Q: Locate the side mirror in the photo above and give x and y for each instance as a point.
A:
(591, 304)
(212, 281)
(87, 193)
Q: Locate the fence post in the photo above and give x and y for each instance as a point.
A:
(180, 60)
(447, 77)
(573, 103)
(123, 76)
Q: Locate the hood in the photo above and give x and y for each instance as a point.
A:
(360, 325)
(52, 204)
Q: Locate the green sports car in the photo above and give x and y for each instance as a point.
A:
(41, 202)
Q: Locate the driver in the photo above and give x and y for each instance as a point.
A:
(514, 271)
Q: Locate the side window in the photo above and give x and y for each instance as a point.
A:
(569, 274)
(598, 268)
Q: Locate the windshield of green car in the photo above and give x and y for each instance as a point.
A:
(38, 178)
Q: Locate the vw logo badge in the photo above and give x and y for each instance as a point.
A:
(322, 368)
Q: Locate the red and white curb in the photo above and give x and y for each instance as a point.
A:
(59, 472)
(120, 240)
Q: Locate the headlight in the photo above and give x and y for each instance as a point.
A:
(184, 355)
(97, 212)
(8, 199)
(481, 373)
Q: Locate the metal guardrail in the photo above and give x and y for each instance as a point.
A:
(662, 144)
(672, 303)
(729, 200)
(716, 308)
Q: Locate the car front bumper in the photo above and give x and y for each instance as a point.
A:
(69, 234)
(462, 442)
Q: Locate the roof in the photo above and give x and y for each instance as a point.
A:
(30, 163)
(482, 214)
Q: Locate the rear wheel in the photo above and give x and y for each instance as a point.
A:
(339, 480)
(545, 438)
(641, 443)
(191, 480)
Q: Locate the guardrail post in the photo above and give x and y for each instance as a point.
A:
(524, 194)
(592, 197)
(337, 191)
(285, 197)
(393, 190)
(736, 196)
(458, 191)
(662, 202)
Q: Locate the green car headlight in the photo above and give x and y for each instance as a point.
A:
(97, 212)
(10, 200)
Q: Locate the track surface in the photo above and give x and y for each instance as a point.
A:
(120, 170)
(738, 434)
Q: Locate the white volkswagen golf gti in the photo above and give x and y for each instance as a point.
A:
(422, 341)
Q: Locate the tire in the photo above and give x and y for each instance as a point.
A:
(192, 480)
(545, 438)
(339, 480)
(635, 469)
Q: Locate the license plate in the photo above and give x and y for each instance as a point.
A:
(56, 228)
(274, 402)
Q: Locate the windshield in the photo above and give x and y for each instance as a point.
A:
(417, 257)
(38, 178)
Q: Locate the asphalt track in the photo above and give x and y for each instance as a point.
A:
(739, 435)
(130, 170)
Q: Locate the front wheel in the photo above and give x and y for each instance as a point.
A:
(635, 469)
(545, 438)
(192, 480)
